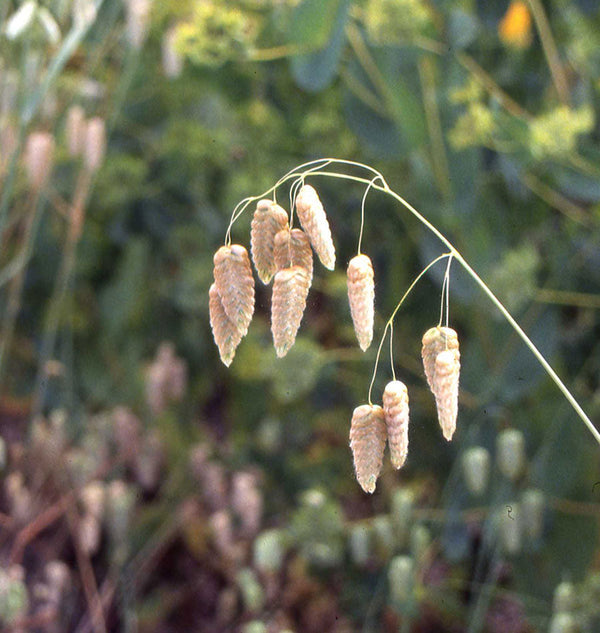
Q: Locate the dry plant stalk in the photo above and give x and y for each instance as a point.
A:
(395, 409)
(226, 335)
(441, 360)
(367, 441)
(269, 218)
(235, 285)
(290, 290)
(361, 296)
(292, 248)
(314, 221)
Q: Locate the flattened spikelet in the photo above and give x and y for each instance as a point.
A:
(292, 248)
(269, 218)
(395, 409)
(226, 335)
(436, 340)
(290, 289)
(361, 296)
(367, 441)
(235, 284)
(445, 389)
(314, 221)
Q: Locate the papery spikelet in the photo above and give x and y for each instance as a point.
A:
(445, 389)
(269, 218)
(226, 335)
(436, 340)
(292, 248)
(39, 157)
(314, 221)
(235, 284)
(395, 409)
(75, 129)
(367, 441)
(361, 296)
(95, 144)
(290, 290)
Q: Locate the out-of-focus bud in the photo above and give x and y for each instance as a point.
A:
(510, 453)
(565, 598)
(563, 623)
(252, 592)
(222, 533)
(39, 157)
(166, 378)
(172, 61)
(19, 497)
(383, 536)
(476, 469)
(149, 462)
(510, 528)
(360, 544)
(247, 502)
(95, 144)
(75, 130)
(21, 20)
(126, 429)
(533, 503)
(269, 551)
(120, 501)
(49, 25)
(420, 541)
(14, 599)
(92, 499)
(88, 534)
(401, 514)
(138, 18)
(2, 454)
(58, 578)
(83, 13)
(8, 144)
(401, 580)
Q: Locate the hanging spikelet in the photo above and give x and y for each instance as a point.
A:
(269, 218)
(441, 361)
(290, 290)
(235, 284)
(361, 296)
(292, 248)
(226, 335)
(445, 389)
(314, 221)
(367, 441)
(395, 408)
(436, 340)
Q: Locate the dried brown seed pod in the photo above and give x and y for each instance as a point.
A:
(436, 340)
(226, 335)
(395, 409)
(269, 218)
(367, 441)
(361, 296)
(292, 248)
(445, 389)
(290, 290)
(314, 221)
(235, 284)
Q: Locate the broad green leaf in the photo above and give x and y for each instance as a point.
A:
(313, 22)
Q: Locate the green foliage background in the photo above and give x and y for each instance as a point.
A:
(493, 139)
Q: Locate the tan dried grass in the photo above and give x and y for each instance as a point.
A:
(226, 335)
(235, 284)
(367, 441)
(269, 219)
(290, 289)
(361, 297)
(314, 221)
(292, 248)
(395, 409)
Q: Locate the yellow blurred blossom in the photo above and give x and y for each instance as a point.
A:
(515, 26)
(555, 133)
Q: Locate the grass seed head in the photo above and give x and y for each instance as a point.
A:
(435, 340)
(314, 221)
(290, 289)
(361, 296)
(226, 335)
(476, 469)
(75, 130)
(395, 408)
(235, 285)
(367, 441)
(445, 389)
(292, 248)
(39, 158)
(269, 218)
(95, 144)
(510, 453)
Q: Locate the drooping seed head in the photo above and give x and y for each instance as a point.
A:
(39, 158)
(395, 408)
(314, 221)
(226, 334)
(292, 248)
(510, 453)
(367, 441)
(435, 340)
(75, 128)
(533, 504)
(95, 144)
(361, 297)
(476, 469)
(269, 218)
(235, 285)
(445, 388)
(290, 289)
